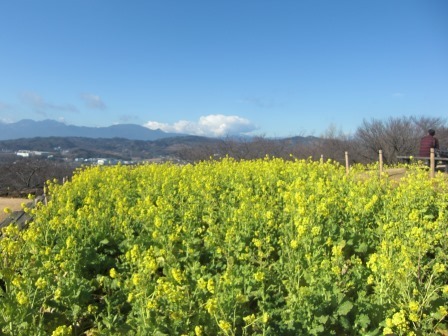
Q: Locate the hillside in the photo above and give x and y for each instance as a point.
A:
(50, 128)
(73, 147)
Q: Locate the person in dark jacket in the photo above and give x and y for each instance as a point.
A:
(427, 142)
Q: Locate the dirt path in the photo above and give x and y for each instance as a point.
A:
(12, 203)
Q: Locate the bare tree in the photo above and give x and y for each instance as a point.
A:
(425, 123)
(28, 175)
(333, 144)
(395, 136)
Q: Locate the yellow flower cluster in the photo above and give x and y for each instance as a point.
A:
(231, 247)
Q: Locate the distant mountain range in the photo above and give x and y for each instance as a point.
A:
(133, 142)
(50, 128)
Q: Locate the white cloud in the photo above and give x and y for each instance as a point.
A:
(42, 107)
(93, 101)
(398, 94)
(214, 125)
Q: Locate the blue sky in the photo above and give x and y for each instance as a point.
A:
(275, 68)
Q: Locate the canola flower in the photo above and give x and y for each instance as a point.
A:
(113, 273)
(62, 331)
(227, 248)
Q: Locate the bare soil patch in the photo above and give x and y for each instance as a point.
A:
(15, 204)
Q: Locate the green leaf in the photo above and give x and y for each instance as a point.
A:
(104, 242)
(362, 248)
(345, 323)
(317, 330)
(363, 321)
(323, 319)
(159, 333)
(76, 309)
(345, 308)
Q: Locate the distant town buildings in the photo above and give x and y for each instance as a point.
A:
(103, 161)
(29, 153)
(61, 154)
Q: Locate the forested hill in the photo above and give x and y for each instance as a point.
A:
(115, 147)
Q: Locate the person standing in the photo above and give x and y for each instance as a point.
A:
(427, 142)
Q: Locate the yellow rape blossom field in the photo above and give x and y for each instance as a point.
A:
(262, 247)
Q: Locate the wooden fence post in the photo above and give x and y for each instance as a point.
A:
(380, 153)
(432, 163)
(347, 168)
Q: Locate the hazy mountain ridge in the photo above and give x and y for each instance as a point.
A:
(50, 128)
(73, 147)
(131, 142)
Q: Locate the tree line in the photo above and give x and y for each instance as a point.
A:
(394, 136)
